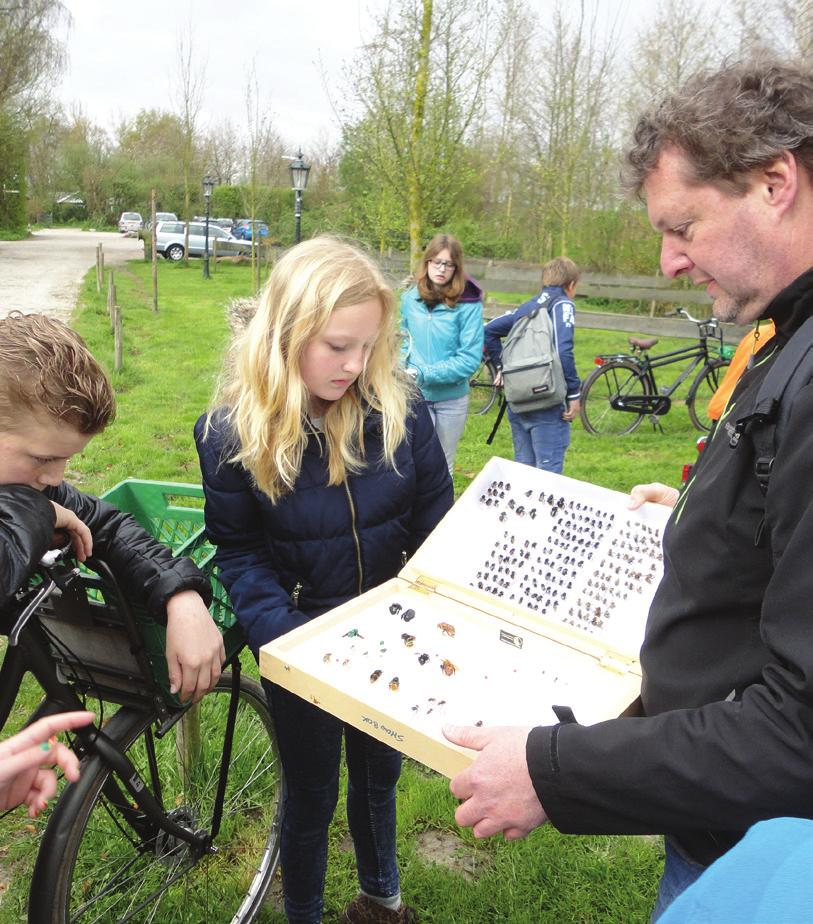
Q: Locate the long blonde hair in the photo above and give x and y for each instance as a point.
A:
(265, 399)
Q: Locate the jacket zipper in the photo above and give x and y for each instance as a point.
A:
(295, 593)
(355, 535)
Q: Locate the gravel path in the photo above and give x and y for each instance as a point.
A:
(43, 273)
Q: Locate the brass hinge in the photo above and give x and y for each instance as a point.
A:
(614, 664)
(424, 585)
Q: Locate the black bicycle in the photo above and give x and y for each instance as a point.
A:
(483, 392)
(623, 390)
(175, 816)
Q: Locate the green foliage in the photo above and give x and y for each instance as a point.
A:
(12, 177)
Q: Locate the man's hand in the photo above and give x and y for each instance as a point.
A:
(78, 533)
(496, 790)
(572, 411)
(498, 378)
(195, 652)
(26, 757)
(654, 493)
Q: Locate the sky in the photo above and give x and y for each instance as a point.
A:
(122, 57)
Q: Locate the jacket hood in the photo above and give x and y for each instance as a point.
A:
(473, 291)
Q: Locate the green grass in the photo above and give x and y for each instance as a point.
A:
(170, 363)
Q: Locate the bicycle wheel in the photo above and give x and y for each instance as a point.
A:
(703, 387)
(482, 390)
(94, 867)
(615, 378)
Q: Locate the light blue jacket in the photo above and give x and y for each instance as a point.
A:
(444, 345)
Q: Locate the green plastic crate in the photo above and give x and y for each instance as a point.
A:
(173, 514)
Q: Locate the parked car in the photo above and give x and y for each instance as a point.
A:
(169, 239)
(243, 229)
(130, 223)
(159, 217)
(227, 223)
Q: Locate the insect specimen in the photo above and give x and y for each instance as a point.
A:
(326, 658)
(423, 658)
(408, 639)
(374, 676)
(353, 633)
(395, 683)
(395, 608)
(407, 615)
(446, 628)
(447, 667)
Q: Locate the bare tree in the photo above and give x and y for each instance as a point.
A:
(31, 54)
(189, 86)
(420, 89)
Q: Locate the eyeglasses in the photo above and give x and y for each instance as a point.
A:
(442, 264)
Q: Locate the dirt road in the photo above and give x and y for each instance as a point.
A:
(42, 274)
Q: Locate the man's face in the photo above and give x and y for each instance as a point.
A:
(37, 451)
(718, 240)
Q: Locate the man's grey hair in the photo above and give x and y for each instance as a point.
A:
(727, 123)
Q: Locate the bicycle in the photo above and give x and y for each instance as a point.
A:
(483, 392)
(176, 813)
(622, 391)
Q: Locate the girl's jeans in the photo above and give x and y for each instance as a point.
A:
(449, 418)
(310, 746)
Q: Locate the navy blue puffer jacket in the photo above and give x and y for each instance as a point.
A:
(320, 545)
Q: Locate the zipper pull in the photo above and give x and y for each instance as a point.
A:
(295, 593)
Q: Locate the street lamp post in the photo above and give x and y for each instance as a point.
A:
(208, 186)
(299, 180)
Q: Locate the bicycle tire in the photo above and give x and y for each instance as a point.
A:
(482, 390)
(617, 377)
(701, 391)
(92, 866)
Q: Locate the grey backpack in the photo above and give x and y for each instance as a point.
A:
(532, 374)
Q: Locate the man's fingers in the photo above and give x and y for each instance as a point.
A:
(467, 736)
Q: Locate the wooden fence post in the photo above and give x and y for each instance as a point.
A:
(111, 297)
(99, 275)
(214, 255)
(154, 241)
(117, 345)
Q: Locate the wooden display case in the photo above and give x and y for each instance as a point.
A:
(530, 597)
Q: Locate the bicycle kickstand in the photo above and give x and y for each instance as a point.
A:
(656, 424)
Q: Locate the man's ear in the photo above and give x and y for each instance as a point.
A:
(779, 181)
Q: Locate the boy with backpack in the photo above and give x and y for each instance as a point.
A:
(536, 367)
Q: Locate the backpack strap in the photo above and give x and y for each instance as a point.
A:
(790, 372)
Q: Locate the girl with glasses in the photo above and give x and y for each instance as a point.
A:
(442, 317)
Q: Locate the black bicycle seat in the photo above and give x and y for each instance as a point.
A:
(643, 344)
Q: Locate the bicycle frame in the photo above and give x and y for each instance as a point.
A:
(143, 810)
(658, 401)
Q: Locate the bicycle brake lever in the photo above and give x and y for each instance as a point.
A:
(16, 630)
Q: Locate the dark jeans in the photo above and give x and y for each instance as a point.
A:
(310, 744)
(679, 872)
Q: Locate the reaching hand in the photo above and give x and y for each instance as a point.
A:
(496, 790)
(25, 757)
(655, 493)
(195, 652)
(78, 533)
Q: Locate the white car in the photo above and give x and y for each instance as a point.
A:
(169, 239)
(130, 223)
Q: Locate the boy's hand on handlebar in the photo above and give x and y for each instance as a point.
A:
(78, 533)
(654, 493)
(195, 652)
(26, 758)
